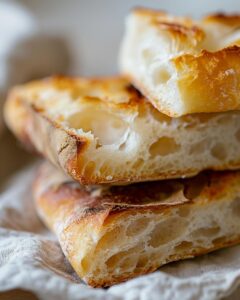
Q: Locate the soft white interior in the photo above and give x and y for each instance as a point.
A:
(141, 140)
(147, 51)
(144, 241)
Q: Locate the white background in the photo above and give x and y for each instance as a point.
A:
(93, 28)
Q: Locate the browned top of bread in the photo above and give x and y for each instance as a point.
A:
(182, 27)
(110, 90)
(46, 97)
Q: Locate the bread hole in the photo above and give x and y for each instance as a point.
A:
(97, 270)
(125, 257)
(237, 135)
(137, 226)
(98, 144)
(142, 111)
(166, 231)
(164, 146)
(205, 232)
(160, 117)
(199, 147)
(111, 237)
(85, 263)
(138, 163)
(115, 259)
(192, 120)
(129, 263)
(183, 246)
(142, 261)
(161, 76)
(219, 241)
(123, 146)
(104, 169)
(235, 205)
(147, 56)
(106, 127)
(184, 211)
(89, 169)
(219, 151)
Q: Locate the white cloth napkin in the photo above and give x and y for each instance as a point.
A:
(31, 259)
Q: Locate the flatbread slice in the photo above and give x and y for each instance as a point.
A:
(105, 131)
(183, 65)
(111, 234)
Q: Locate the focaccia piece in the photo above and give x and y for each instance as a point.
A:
(104, 131)
(183, 66)
(111, 234)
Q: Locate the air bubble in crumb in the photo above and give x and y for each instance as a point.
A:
(109, 178)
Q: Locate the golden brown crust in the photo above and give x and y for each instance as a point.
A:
(179, 27)
(109, 88)
(186, 26)
(75, 212)
(214, 71)
(232, 20)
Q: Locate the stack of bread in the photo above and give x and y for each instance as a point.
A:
(143, 166)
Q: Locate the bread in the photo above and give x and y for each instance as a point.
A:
(111, 234)
(183, 66)
(104, 131)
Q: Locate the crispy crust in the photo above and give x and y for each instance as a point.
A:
(232, 20)
(182, 27)
(73, 211)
